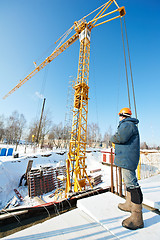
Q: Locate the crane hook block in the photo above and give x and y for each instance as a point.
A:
(122, 11)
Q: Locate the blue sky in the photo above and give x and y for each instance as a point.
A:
(28, 32)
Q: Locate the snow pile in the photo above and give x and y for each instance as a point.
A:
(12, 169)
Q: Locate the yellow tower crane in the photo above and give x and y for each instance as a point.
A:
(76, 167)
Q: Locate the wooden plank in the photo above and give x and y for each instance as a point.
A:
(95, 170)
(29, 166)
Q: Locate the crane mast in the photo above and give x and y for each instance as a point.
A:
(76, 168)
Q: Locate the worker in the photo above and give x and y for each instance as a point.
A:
(127, 153)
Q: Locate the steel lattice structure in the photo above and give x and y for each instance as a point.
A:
(76, 168)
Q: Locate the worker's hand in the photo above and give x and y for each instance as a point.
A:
(113, 145)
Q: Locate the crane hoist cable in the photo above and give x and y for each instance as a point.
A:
(125, 65)
(130, 69)
(64, 37)
(129, 66)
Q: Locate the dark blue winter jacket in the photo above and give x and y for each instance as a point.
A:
(127, 144)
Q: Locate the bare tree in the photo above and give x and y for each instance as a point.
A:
(57, 135)
(44, 129)
(33, 128)
(107, 136)
(93, 134)
(144, 145)
(14, 128)
(2, 131)
(67, 135)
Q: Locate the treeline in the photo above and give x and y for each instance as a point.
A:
(144, 145)
(14, 129)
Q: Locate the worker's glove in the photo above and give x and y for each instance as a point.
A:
(113, 145)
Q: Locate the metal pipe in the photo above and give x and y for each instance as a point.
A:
(120, 181)
(112, 184)
(117, 179)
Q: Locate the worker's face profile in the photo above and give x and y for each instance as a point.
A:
(120, 118)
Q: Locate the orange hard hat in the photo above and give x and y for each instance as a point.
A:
(125, 112)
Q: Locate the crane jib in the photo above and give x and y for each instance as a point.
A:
(45, 62)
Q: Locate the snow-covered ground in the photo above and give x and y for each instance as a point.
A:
(11, 170)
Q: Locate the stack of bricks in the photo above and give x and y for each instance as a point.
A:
(44, 180)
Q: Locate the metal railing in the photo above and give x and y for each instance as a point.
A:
(116, 184)
(149, 165)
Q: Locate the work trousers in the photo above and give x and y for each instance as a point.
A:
(129, 178)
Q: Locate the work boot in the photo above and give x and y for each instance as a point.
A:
(127, 205)
(135, 221)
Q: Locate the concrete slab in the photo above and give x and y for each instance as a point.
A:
(151, 191)
(96, 217)
(74, 224)
(103, 209)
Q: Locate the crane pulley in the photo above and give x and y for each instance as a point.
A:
(76, 167)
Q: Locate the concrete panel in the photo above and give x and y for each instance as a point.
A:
(103, 209)
(74, 224)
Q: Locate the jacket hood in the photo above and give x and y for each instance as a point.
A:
(134, 120)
